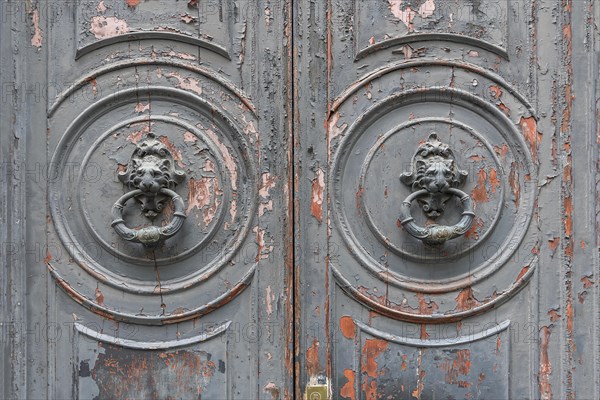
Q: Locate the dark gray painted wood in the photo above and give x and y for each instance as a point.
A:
(495, 80)
(203, 315)
(511, 310)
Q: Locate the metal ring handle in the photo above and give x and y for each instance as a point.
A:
(437, 234)
(152, 235)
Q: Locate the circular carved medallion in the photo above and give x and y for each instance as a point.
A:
(209, 131)
(373, 146)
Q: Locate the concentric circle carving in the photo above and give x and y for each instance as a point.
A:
(210, 131)
(131, 130)
(384, 228)
(378, 140)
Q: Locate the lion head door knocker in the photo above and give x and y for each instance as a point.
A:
(151, 177)
(434, 179)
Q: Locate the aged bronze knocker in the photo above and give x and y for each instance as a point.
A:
(151, 177)
(434, 179)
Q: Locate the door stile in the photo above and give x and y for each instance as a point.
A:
(34, 306)
(312, 57)
(13, 143)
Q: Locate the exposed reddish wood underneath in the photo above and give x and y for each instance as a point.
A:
(406, 313)
(460, 365)
(370, 389)
(203, 195)
(99, 297)
(473, 232)
(359, 194)
(372, 349)
(135, 137)
(568, 218)
(587, 282)
(568, 224)
(479, 193)
(104, 312)
(329, 51)
(313, 365)
(567, 191)
(106, 27)
(403, 366)
(495, 91)
(268, 183)
(347, 391)
(522, 273)
(37, 37)
(78, 297)
(569, 314)
(48, 257)
(494, 181)
(554, 315)
(318, 188)
(141, 107)
(532, 136)
(263, 250)
(513, 181)
(553, 243)
(125, 373)
(545, 370)
(237, 289)
(424, 335)
(502, 151)
(466, 300)
(347, 327)
(328, 365)
(504, 109)
(426, 307)
(418, 391)
(173, 149)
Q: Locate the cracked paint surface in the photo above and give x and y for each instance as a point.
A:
(318, 187)
(150, 374)
(407, 14)
(106, 27)
(37, 38)
(204, 196)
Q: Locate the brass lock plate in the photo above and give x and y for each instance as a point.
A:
(318, 390)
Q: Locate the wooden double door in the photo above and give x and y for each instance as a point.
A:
(230, 199)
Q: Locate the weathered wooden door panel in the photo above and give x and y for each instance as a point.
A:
(153, 265)
(441, 183)
(452, 265)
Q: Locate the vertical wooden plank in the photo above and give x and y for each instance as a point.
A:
(270, 46)
(312, 59)
(550, 278)
(6, 113)
(566, 98)
(374, 52)
(568, 316)
(582, 328)
(13, 379)
(255, 60)
(22, 25)
(41, 327)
